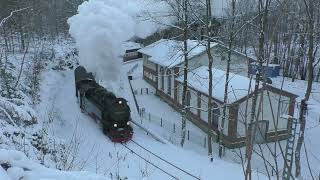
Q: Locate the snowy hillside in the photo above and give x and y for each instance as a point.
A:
(15, 165)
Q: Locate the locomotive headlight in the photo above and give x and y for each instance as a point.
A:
(128, 123)
(120, 102)
(115, 125)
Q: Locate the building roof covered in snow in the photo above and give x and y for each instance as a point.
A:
(238, 85)
(169, 53)
(131, 45)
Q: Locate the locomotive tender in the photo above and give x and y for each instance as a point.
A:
(103, 106)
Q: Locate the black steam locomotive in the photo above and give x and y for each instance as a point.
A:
(103, 106)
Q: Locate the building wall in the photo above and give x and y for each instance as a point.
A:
(269, 109)
(165, 76)
(148, 63)
(150, 72)
(204, 107)
(234, 129)
(204, 112)
(239, 63)
(131, 55)
(200, 102)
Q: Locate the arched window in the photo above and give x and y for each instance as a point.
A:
(215, 116)
(169, 81)
(161, 78)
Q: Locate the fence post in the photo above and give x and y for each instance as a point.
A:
(149, 117)
(161, 122)
(174, 127)
(188, 135)
(141, 91)
(147, 89)
(205, 142)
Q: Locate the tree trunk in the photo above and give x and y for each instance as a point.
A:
(210, 58)
(260, 74)
(303, 107)
(185, 72)
(300, 57)
(226, 87)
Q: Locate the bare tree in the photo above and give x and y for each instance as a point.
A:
(263, 8)
(309, 4)
(185, 69)
(210, 59)
(226, 87)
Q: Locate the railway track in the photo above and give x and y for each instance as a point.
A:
(168, 163)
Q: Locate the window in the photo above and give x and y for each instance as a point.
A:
(284, 108)
(215, 117)
(130, 54)
(259, 130)
(169, 81)
(162, 78)
(188, 98)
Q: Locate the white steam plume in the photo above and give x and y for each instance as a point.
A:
(101, 26)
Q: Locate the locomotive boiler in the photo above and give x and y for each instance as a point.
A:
(103, 106)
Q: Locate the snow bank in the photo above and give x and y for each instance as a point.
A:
(101, 26)
(15, 165)
(17, 111)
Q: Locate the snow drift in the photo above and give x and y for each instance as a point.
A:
(15, 165)
(101, 26)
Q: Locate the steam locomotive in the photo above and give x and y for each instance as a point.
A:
(103, 106)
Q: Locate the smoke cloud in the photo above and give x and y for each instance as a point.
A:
(101, 27)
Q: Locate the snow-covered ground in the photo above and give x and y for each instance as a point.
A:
(76, 143)
(61, 137)
(15, 166)
(95, 152)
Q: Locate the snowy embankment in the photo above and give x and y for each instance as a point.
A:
(24, 139)
(15, 165)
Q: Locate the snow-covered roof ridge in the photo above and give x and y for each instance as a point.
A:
(169, 53)
(250, 56)
(131, 45)
(239, 86)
